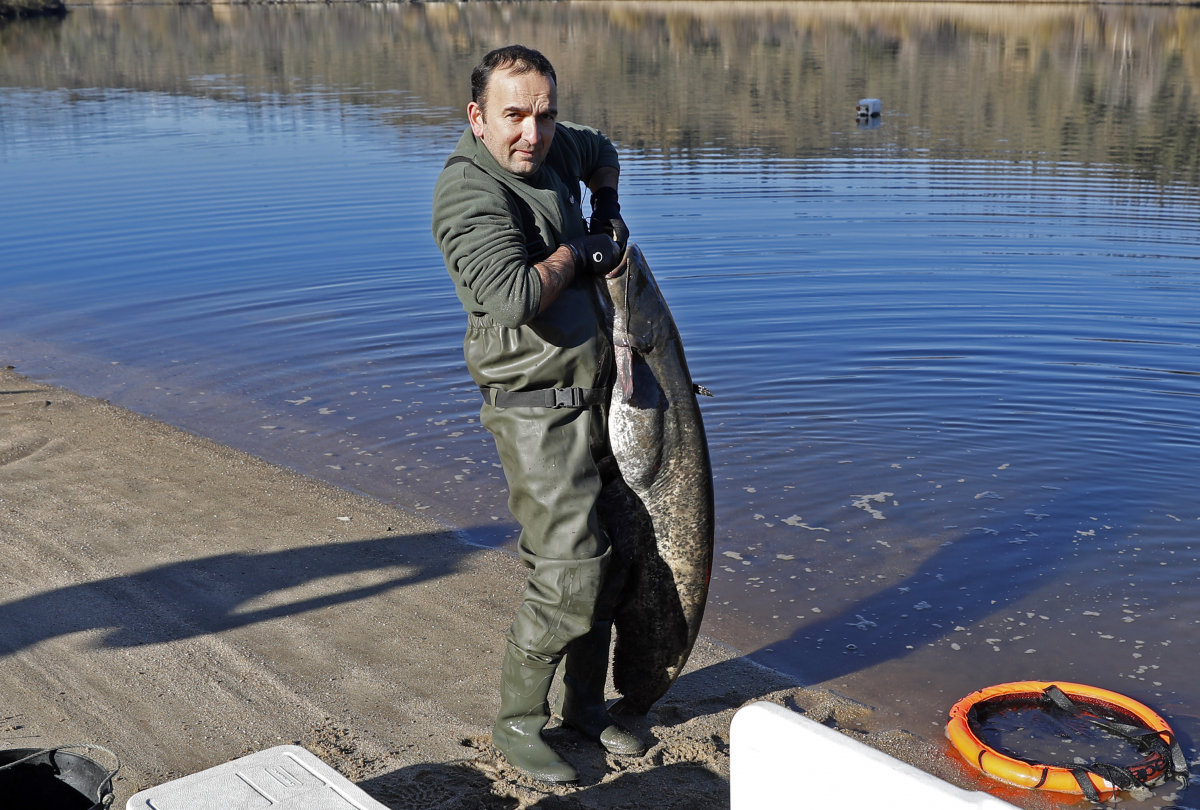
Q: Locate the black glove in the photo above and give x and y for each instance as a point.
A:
(606, 216)
(596, 254)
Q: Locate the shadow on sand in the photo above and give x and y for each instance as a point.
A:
(460, 786)
(196, 597)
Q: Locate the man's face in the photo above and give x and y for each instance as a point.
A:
(518, 125)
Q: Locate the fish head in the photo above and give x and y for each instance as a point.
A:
(638, 316)
(638, 308)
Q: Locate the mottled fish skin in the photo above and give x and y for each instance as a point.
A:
(659, 509)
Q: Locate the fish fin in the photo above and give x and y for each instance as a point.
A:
(625, 371)
(702, 391)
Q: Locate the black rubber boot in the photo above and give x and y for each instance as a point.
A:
(524, 684)
(581, 700)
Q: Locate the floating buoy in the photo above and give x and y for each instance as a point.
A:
(1109, 711)
(869, 108)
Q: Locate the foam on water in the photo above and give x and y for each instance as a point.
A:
(954, 366)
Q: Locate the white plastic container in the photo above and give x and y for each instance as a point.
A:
(781, 760)
(869, 107)
(285, 777)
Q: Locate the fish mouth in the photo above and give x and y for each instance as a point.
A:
(620, 268)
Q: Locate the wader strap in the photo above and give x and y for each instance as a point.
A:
(546, 398)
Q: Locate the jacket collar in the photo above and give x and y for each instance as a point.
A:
(471, 146)
(537, 189)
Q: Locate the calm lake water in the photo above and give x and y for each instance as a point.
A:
(956, 436)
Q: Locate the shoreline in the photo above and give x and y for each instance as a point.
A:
(184, 603)
(690, 4)
(29, 9)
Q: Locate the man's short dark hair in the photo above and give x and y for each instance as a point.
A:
(516, 58)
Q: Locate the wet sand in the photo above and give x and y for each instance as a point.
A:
(184, 603)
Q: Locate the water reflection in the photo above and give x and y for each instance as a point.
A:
(1087, 84)
(954, 354)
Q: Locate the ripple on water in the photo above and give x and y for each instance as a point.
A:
(954, 395)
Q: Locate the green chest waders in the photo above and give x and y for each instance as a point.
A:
(549, 457)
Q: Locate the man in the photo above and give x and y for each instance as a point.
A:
(508, 219)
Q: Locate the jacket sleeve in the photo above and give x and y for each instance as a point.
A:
(584, 150)
(476, 227)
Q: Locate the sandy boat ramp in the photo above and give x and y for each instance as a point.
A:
(184, 603)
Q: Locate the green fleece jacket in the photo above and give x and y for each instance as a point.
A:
(492, 226)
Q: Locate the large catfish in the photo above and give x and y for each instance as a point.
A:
(659, 509)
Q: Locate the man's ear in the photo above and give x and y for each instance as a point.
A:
(475, 116)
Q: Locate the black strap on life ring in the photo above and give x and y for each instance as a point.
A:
(1166, 758)
(1085, 785)
(1150, 740)
(1055, 698)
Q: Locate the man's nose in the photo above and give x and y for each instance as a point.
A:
(531, 133)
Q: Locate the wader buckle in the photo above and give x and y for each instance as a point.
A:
(568, 398)
(554, 398)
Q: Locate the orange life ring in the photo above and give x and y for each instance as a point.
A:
(1149, 770)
